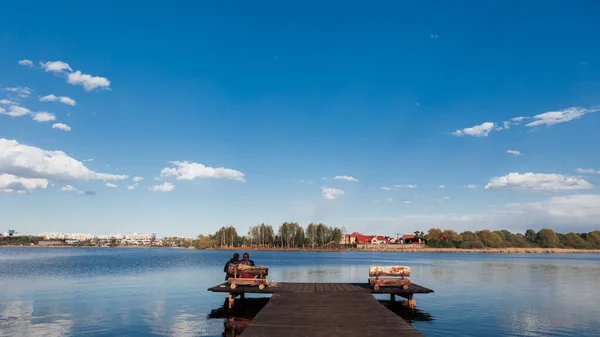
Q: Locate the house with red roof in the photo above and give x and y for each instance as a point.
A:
(361, 239)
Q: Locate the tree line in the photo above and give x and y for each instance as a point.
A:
(319, 235)
(544, 238)
(288, 235)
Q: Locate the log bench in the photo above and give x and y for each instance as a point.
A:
(393, 276)
(248, 275)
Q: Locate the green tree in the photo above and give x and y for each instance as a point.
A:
(573, 240)
(311, 234)
(451, 235)
(434, 234)
(531, 236)
(593, 240)
(468, 236)
(489, 238)
(547, 238)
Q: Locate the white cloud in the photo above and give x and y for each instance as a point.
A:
(68, 188)
(27, 63)
(397, 187)
(44, 117)
(61, 126)
(446, 198)
(506, 125)
(7, 102)
(10, 183)
(442, 186)
(481, 130)
(88, 82)
(513, 152)
(470, 186)
(572, 206)
(111, 185)
(165, 187)
(562, 116)
(538, 182)
(189, 171)
(55, 66)
(87, 160)
(130, 187)
(15, 111)
(331, 193)
(577, 206)
(587, 171)
(32, 162)
(390, 199)
(23, 92)
(347, 178)
(434, 36)
(62, 99)
(517, 120)
(138, 179)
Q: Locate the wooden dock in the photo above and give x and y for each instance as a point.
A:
(326, 309)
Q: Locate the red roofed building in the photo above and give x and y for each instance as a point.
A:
(361, 239)
(410, 239)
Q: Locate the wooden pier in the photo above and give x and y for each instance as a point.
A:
(326, 309)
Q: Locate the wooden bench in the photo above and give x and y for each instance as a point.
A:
(258, 273)
(394, 276)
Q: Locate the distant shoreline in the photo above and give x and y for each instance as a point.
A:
(390, 249)
(374, 249)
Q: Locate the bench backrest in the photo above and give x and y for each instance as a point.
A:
(250, 270)
(389, 271)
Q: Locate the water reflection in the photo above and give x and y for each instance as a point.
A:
(240, 316)
(20, 319)
(409, 315)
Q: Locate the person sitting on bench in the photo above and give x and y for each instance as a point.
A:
(246, 261)
(234, 260)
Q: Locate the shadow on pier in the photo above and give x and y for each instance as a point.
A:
(239, 317)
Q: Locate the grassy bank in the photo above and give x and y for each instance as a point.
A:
(399, 249)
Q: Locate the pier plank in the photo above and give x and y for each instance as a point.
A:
(357, 313)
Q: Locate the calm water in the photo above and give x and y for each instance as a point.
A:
(162, 292)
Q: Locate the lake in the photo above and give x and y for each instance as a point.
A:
(163, 292)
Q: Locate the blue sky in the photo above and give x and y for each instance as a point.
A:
(246, 107)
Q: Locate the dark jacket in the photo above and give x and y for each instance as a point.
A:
(247, 262)
(226, 269)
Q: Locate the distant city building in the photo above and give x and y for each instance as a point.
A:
(135, 239)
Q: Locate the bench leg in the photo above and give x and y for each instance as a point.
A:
(392, 297)
(242, 296)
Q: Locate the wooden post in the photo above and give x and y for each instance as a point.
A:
(411, 303)
(231, 300)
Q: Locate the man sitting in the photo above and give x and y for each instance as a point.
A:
(234, 260)
(246, 261)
